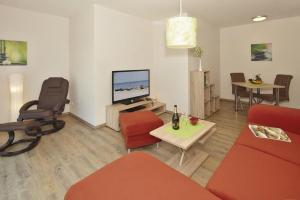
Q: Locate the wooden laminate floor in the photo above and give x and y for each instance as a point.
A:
(62, 159)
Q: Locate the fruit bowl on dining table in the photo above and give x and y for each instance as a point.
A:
(256, 82)
(194, 120)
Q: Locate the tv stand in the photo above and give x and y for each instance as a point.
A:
(131, 101)
(135, 109)
(113, 111)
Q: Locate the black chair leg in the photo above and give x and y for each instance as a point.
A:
(56, 124)
(33, 142)
(10, 140)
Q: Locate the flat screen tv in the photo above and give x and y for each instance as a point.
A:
(129, 86)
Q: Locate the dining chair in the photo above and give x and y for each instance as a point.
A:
(284, 95)
(241, 91)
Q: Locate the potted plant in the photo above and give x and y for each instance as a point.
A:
(197, 52)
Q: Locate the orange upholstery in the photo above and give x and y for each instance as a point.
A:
(286, 118)
(135, 128)
(137, 123)
(283, 150)
(248, 174)
(137, 176)
(254, 169)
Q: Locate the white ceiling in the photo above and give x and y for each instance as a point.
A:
(219, 12)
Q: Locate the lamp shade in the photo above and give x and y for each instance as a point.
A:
(16, 95)
(181, 32)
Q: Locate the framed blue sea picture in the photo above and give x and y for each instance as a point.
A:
(261, 52)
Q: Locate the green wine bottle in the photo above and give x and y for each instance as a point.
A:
(175, 119)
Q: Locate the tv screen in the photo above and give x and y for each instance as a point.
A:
(130, 85)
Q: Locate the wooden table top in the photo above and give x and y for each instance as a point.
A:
(182, 142)
(257, 86)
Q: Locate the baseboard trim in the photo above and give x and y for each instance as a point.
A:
(227, 100)
(232, 100)
(85, 122)
(65, 114)
(169, 112)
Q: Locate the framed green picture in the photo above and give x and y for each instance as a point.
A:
(13, 52)
(261, 52)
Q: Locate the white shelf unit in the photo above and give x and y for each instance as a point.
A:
(203, 100)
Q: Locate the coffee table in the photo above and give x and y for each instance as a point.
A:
(184, 141)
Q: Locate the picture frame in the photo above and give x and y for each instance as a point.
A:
(13, 53)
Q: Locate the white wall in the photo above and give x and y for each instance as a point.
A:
(122, 42)
(101, 41)
(170, 71)
(236, 54)
(82, 65)
(48, 51)
(209, 41)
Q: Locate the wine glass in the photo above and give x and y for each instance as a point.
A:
(184, 119)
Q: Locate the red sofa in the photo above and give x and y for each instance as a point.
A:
(254, 169)
(262, 169)
(137, 176)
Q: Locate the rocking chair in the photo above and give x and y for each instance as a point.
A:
(51, 104)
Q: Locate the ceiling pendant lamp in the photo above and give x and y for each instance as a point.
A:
(181, 31)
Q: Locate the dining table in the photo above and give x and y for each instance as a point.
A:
(258, 87)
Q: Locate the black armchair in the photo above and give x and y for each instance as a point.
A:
(51, 104)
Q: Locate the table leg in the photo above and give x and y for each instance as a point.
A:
(250, 97)
(235, 98)
(277, 97)
(258, 96)
(182, 156)
(157, 145)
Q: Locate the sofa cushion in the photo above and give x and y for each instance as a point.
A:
(275, 116)
(36, 114)
(140, 140)
(283, 150)
(248, 174)
(137, 176)
(137, 123)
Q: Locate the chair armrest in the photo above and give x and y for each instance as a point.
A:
(287, 119)
(57, 108)
(27, 105)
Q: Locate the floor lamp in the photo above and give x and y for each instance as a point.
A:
(16, 95)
